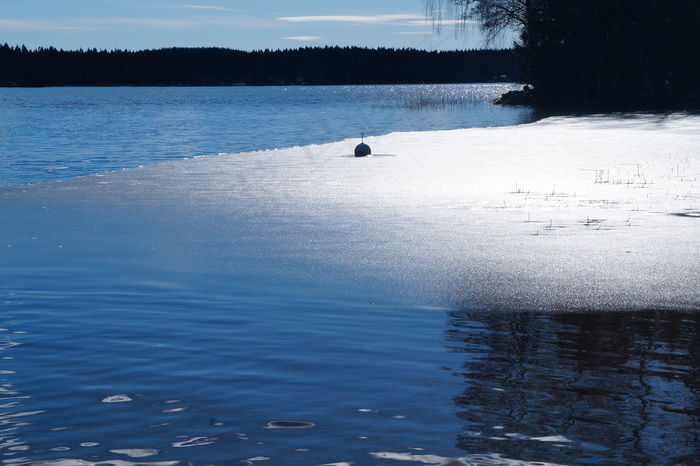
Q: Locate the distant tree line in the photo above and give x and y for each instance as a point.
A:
(218, 66)
(597, 54)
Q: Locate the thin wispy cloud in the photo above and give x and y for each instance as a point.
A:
(459, 27)
(14, 25)
(399, 19)
(449, 22)
(205, 7)
(302, 38)
(138, 21)
(103, 23)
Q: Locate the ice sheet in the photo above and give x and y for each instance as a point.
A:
(565, 214)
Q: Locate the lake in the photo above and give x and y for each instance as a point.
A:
(56, 133)
(227, 310)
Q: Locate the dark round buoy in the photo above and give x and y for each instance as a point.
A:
(362, 149)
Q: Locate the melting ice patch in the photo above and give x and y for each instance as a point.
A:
(137, 452)
(469, 460)
(552, 438)
(567, 213)
(194, 442)
(117, 399)
(78, 462)
(590, 213)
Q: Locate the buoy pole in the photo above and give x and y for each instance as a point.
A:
(362, 149)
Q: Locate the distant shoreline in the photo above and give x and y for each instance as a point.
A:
(49, 67)
(495, 101)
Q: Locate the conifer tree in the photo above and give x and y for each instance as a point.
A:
(596, 54)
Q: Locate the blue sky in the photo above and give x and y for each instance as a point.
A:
(237, 24)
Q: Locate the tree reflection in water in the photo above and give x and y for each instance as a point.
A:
(580, 388)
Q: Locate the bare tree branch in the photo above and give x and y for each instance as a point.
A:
(496, 17)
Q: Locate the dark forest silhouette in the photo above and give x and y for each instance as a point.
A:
(218, 66)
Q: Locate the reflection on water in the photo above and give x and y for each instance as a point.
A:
(532, 390)
(212, 375)
(598, 388)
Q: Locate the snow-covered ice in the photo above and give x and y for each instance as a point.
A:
(576, 213)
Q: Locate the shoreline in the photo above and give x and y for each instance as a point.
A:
(171, 123)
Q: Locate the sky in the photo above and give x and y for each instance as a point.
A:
(236, 24)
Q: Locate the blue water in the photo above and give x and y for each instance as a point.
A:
(58, 133)
(149, 322)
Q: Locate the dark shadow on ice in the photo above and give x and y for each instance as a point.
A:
(688, 214)
(369, 156)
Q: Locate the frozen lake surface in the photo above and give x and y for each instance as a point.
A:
(520, 295)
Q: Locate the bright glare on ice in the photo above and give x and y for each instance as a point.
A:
(564, 214)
